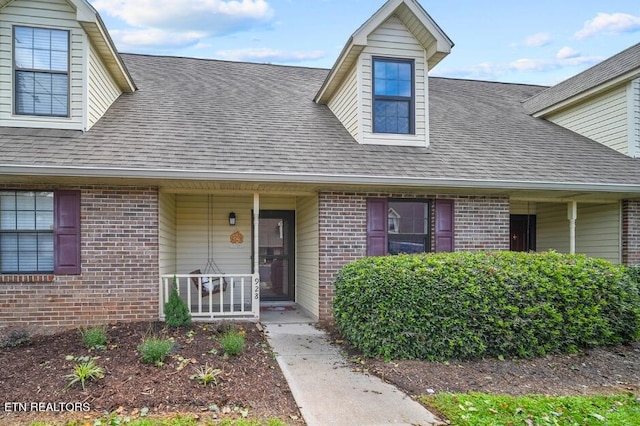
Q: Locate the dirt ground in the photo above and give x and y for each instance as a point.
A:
(252, 383)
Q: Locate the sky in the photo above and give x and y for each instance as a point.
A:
(541, 42)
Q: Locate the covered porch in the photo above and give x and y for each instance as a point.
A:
(228, 252)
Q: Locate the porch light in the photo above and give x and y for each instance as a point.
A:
(232, 219)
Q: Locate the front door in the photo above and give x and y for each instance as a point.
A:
(276, 255)
(523, 232)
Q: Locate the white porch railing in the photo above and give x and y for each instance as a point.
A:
(239, 300)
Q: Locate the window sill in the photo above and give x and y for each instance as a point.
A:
(27, 278)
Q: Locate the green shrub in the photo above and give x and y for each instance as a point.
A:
(232, 342)
(15, 338)
(176, 311)
(154, 350)
(472, 305)
(94, 337)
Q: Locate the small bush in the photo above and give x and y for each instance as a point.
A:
(473, 305)
(94, 337)
(232, 342)
(154, 350)
(15, 338)
(85, 371)
(207, 375)
(176, 311)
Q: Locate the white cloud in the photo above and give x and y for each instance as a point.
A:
(167, 24)
(567, 53)
(153, 37)
(609, 24)
(268, 55)
(542, 65)
(538, 40)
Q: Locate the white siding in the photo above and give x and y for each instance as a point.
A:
(522, 207)
(167, 234)
(344, 103)
(392, 39)
(307, 265)
(192, 233)
(52, 14)
(597, 229)
(103, 90)
(634, 117)
(603, 119)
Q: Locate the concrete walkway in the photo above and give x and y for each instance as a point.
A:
(324, 385)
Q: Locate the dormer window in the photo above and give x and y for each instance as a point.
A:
(41, 65)
(393, 96)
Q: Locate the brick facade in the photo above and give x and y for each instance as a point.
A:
(481, 223)
(119, 279)
(631, 232)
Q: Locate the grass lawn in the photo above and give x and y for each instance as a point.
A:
(111, 420)
(478, 409)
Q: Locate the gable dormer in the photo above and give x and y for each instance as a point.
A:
(59, 68)
(378, 87)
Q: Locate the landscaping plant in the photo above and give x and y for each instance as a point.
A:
(472, 305)
(176, 311)
(232, 342)
(84, 371)
(206, 375)
(94, 337)
(154, 350)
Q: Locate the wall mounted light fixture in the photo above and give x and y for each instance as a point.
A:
(232, 219)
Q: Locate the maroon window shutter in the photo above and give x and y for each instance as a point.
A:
(444, 225)
(66, 233)
(377, 226)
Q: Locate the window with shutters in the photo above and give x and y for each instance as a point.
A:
(405, 226)
(40, 232)
(41, 66)
(26, 232)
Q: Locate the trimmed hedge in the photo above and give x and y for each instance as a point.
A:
(472, 305)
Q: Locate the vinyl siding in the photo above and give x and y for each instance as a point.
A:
(103, 90)
(167, 233)
(392, 39)
(634, 117)
(344, 104)
(522, 207)
(603, 119)
(597, 229)
(55, 14)
(307, 265)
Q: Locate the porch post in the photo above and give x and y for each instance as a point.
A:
(255, 305)
(572, 215)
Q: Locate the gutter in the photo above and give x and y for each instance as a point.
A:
(310, 178)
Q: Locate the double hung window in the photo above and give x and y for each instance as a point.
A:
(393, 96)
(41, 66)
(26, 232)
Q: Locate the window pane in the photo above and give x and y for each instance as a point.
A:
(26, 220)
(44, 220)
(25, 201)
(59, 84)
(8, 252)
(379, 69)
(42, 59)
(23, 58)
(28, 261)
(25, 82)
(404, 71)
(7, 200)
(59, 106)
(59, 40)
(59, 61)
(8, 220)
(25, 103)
(41, 39)
(404, 88)
(24, 37)
(44, 201)
(392, 71)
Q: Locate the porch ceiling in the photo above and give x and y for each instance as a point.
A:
(311, 188)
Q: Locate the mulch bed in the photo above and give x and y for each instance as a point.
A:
(251, 382)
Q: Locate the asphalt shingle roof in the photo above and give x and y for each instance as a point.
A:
(192, 114)
(607, 70)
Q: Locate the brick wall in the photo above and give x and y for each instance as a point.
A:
(631, 232)
(481, 223)
(119, 279)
